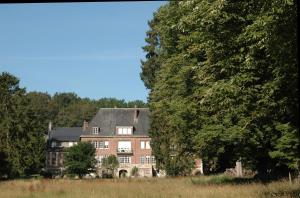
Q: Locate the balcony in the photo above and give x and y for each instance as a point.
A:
(124, 151)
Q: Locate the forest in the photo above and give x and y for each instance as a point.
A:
(223, 81)
(24, 118)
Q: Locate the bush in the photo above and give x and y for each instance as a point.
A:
(135, 171)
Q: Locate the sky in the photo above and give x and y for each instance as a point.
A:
(92, 49)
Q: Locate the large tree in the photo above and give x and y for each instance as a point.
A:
(225, 85)
(21, 135)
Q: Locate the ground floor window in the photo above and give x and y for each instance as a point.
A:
(147, 160)
(124, 159)
(53, 157)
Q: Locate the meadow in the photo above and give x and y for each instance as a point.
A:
(207, 187)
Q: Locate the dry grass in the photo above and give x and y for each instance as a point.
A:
(155, 187)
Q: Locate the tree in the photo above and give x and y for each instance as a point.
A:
(21, 140)
(110, 163)
(225, 84)
(80, 159)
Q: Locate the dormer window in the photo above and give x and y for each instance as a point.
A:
(124, 130)
(95, 130)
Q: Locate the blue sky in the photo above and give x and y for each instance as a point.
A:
(91, 49)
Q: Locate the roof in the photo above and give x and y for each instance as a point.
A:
(109, 118)
(66, 134)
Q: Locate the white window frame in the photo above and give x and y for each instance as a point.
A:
(153, 161)
(124, 130)
(142, 144)
(104, 144)
(148, 159)
(148, 145)
(53, 144)
(142, 160)
(124, 159)
(95, 130)
(94, 143)
(127, 148)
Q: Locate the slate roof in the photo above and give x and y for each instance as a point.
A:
(71, 134)
(108, 118)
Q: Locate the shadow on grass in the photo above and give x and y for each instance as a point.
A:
(221, 180)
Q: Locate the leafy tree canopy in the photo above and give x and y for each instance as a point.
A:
(80, 159)
(223, 81)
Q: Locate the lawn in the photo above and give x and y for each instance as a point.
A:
(143, 187)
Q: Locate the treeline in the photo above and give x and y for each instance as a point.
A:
(223, 79)
(24, 119)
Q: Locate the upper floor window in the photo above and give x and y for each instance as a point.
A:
(124, 130)
(124, 146)
(103, 144)
(56, 144)
(95, 144)
(53, 144)
(145, 145)
(95, 130)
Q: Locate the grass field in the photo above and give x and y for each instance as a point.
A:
(153, 187)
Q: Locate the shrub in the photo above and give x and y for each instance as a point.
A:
(135, 171)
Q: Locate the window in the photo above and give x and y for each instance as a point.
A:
(95, 144)
(153, 160)
(53, 144)
(145, 145)
(124, 159)
(124, 130)
(103, 144)
(147, 160)
(142, 160)
(53, 158)
(124, 146)
(95, 130)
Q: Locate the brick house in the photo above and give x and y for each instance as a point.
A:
(122, 132)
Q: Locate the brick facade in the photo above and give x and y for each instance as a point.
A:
(139, 157)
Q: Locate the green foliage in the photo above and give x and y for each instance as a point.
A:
(134, 171)
(24, 119)
(110, 163)
(21, 139)
(80, 159)
(223, 82)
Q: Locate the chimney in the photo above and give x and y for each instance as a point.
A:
(50, 126)
(136, 114)
(85, 125)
